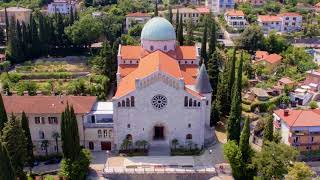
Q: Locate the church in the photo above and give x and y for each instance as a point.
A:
(162, 92)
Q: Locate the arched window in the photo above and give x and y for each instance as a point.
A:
(185, 101)
(128, 126)
(129, 137)
(189, 136)
(151, 48)
(132, 101)
(41, 135)
(123, 103)
(165, 47)
(190, 102)
(119, 104)
(195, 103)
(127, 102)
(189, 125)
(199, 104)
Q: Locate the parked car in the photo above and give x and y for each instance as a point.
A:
(52, 161)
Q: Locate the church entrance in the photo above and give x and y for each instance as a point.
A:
(158, 133)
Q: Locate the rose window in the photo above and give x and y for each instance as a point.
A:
(159, 101)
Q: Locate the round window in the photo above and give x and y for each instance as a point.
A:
(159, 101)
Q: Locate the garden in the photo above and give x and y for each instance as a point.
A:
(54, 77)
(179, 150)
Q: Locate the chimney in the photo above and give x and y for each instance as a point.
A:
(25, 93)
(286, 112)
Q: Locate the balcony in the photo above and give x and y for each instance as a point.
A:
(100, 123)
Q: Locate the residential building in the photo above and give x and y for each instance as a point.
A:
(219, 6)
(313, 79)
(235, 19)
(252, 2)
(270, 61)
(269, 23)
(260, 94)
(187, 14)
(299, 128)
(193, 2)
(136, 18)
(162, 93)
(301, 95)
(18, 13)
(291, 22)
(61, 6)
(44, 115)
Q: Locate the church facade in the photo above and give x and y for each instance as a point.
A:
(162, 93)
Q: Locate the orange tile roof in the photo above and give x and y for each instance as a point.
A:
(125, 69)
(137, 52)
(156, 61)
(300, 118)
(203, 10)
(286, 80)
(261, 54)
(234, 13)
(268, 18)
(273, 58)
(48, 104)
(138, 14)
(191, 69)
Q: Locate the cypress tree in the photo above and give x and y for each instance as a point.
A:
(2, 36)
(213, 38)
(204, 43)
(15, 142)
(35, 42)
(230, 83)
(177, 22)
(12, 44)
(156, 9)
(43, 35)
(25, 127)
(244, 141)
(7, 172)
(71, 16)
(3, 114)
(25, 40)
(213, 72)
(189, 37)
(7, 23)
(20, 54)
(268, 130)
(170, 15)
(180, 32)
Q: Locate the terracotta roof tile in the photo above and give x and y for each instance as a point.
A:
(203, 10)
(234, 13)
(138, 14)
(261, 54)
(294, 14)
(300, 118)
(191, 69)
(125, 69)
(273, 58)
(269, 18)
(48, 104)
(286, 80)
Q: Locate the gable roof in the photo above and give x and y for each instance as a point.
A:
(138, 14)
(268, 18)
(291, 14)
(48, 104)
(300, 118)
(234, 13)
(273, 58)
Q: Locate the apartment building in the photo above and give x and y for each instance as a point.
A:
(187, 14)
(61, 6)
(269, 23)
(219, 6)
(291, 22)
(235, 19)
(18, 13)
(299, 128)
(252, 2)
(136, 18)
(44, 115)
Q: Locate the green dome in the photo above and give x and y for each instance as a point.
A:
(158, 29)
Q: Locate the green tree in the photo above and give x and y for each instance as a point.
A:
(230, 72)
(177, 22)
(273, 161)
(26, 130)
(6, 169)
(2, 36)
(180, 32)
(213, 72)
(6, 23)
(300, 170)
(3, 114)
(156, 9)
(190, 37)
(275, 43)
(213, 38)
(174, 143)
(252, 38)
(268, 130)
(204, 55)
(70, 134)
(170, 15)
(15, 142)
(233, 154)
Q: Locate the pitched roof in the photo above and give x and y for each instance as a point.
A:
(125, 69)
(137, 52)
(268, 18)
(203, 10)
(156, 61)
(261, 54)
(273, 58)
(286, 80)
(48, 104)
(300, 118)
(234, 13)
(138, 14)
(202, 83)
(294, 14)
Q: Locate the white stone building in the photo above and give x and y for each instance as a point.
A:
(291, 22)
(219, 6)
(235, 19)
(61, 6)
(161, 95)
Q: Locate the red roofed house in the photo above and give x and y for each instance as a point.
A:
(235, 19)
(270, 61)
(269, 23)
(162, 93)
(299, 128)
(284, 22)
(136, 18)
(291, 22)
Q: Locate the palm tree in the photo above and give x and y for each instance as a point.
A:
(126, 143)
(175, 143)
(45, 144)
(138, 144)
(56, 136)
(144, 143)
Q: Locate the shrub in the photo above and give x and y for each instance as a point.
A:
(313, 105)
